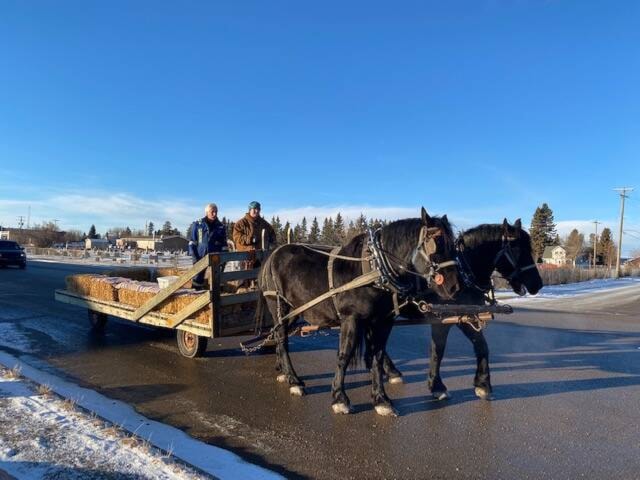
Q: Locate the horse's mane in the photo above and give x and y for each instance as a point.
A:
(488, 232)
(396, 233)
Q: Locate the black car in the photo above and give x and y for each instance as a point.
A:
(12, 254)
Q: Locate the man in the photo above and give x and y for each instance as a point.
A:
(208, 235)
(248, 231)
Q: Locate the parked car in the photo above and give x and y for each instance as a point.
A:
(12, 254)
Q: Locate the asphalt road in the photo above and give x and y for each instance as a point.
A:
(566, 382)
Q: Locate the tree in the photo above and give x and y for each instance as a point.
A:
(314, 232)
(574, 245)
(92, 232)
(303, 231)
(150, 227)
(327, 231)
(543, 230)
(276, 224)
(167, 229)
(339, 233)
(606, 247)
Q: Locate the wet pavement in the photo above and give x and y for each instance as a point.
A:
(566, 386)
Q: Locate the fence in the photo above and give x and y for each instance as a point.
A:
(562, 275)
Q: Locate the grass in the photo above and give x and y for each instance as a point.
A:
(44, 390)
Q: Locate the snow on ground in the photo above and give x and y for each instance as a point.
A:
(72, 432)
(145, 260)
(571, 289)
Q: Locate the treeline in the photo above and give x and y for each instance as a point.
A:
(543, 234)
(333, 231)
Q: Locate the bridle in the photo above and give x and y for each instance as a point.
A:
(425, 247)
(512, 257)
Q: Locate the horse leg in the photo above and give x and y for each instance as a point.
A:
(348, 334)
(482, 380)
(381, 401)
(439, 335)
(393, 374)
(283, 361)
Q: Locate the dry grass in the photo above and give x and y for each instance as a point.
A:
(68, 404)
(14, 373)
(44, 390)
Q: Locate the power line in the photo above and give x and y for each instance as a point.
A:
(623, 195)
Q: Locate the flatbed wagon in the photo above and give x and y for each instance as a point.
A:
(192, 331)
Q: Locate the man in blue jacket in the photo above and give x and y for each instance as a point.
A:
(208, 235)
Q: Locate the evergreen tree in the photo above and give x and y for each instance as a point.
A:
(543, 230)
(167, 229)
(327, 232)
(361, 224)
(92, 232)
(606, 247)
(574, 245)
(303, 231)
(277, 228)
(150, 227)
(339, 233)
(314, 232)
(286, 234)
(127, 232)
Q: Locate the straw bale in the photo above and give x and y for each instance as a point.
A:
(140, 274)
(80, 283)
(106, 288)
(171, 271)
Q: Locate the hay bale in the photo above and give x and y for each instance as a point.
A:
(80, 283)
(169, 272)
(106, 288)
(136, 294)
(140, 274)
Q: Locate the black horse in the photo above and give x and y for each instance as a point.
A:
(295, 274)
(481, 250)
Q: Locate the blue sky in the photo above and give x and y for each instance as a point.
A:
(117, 113)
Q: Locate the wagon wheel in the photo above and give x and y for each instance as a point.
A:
(97, 320)
(190, 344)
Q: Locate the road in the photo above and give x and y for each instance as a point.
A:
(566, 382)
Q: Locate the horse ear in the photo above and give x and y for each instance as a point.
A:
(518, 224)
(505, 225)
(425, 217)
(445, 219)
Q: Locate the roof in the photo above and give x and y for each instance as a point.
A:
(548, 251)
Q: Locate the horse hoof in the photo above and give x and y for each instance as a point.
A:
(341, 408)
(281, 378)
(386, 411)
(441, 395)
(396, 380)
(296, 390)
(483, 393)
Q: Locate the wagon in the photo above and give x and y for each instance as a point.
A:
(191, 332)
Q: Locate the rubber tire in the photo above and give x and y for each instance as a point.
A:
(190, 344)
(97, 320)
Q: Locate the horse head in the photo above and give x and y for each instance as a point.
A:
(515, 261)
(434, 255)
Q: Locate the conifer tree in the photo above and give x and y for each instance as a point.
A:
(303, 230)
(339, 233)
(167, 229)
(361, 224)
(277, 228)
(606, 247)
(543, 230)
(574, 245)
(150, 229)
(314, 232)
(327, 231)
(92, 232)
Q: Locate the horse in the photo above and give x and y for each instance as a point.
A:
(396, 256)
(481, 250)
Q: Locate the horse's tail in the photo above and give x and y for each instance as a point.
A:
(361, 347)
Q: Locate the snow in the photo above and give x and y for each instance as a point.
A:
(92, 436)
(570, 289)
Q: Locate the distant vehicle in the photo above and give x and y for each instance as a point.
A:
(12, 254)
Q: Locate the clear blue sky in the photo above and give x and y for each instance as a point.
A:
(115, 113)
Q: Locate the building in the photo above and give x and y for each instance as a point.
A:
(96, 244)
(554, 255)
(174, 243)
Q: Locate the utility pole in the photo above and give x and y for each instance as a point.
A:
(623, 194)
(20, 222)
(595, 245)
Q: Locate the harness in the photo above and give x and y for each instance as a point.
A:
(378, 270)
(469, 278)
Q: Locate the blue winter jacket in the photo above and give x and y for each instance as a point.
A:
(206, 238)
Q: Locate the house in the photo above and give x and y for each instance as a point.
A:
(173, 243)
(555, 255)
(96, 243)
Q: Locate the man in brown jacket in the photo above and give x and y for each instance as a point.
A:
(248, 231)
